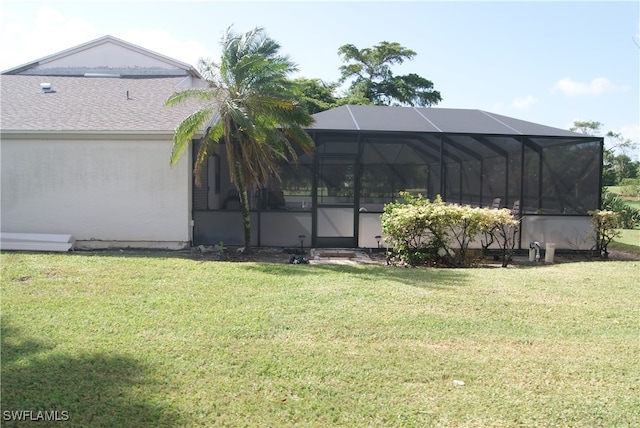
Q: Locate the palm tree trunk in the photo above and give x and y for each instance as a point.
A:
(244, 205)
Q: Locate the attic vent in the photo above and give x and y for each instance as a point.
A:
(46, 88)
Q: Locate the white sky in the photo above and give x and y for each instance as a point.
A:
(545, 62)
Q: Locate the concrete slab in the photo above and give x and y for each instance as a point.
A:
(343, 256)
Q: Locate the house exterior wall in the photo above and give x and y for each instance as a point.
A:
(566, 232)
(105, 191)
(106, 55)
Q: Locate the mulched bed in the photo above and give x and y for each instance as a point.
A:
(281, 255)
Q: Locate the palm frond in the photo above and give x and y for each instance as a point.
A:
(206, 148)
(185, 131)
(216, 131)
(181, 96)
(281, 148)
(301, 137)
(258, 116)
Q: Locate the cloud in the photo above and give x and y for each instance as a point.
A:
(523, 103)
(597, 86)
(51, 31)
(48, 33)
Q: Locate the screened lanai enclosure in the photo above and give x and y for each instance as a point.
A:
(365, 155)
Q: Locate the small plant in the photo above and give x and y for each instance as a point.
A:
(500, 227)
(421, 230)
(416, 230)
(464, 224)
(605, 228)
(630, 187)
(505, 230)
(629, 217)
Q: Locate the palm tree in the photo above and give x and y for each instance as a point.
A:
(250, 106)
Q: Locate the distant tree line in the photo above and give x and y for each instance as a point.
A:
(618, 167)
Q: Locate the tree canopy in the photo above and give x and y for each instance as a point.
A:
(616, 166)
(315, 95)
(374, 81)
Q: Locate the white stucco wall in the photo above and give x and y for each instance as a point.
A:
(117, 192)
(108, 54)
(566, 232)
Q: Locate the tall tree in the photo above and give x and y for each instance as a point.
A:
(374, 81)
(618, 142)
(587, 127)
(250, 106)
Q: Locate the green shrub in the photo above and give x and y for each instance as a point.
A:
(630, 187)
(416, 228)
(629, 217)
(420, 230)
(503, 229)
(605, 228)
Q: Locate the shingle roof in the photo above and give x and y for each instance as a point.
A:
(433, 120)
(89, 104)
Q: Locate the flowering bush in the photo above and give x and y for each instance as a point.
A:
(419, 229)
(503, 229)
(464, 224)
(605, 229)
(415, 229)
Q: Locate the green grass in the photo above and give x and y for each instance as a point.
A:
(628, 241)
(168, 341)
(633, 202)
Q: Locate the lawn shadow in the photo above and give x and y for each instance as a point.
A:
(427, 278)
(48, 388)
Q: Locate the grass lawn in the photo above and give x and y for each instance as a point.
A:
(629, 241)
(633, 202)
(167, 341)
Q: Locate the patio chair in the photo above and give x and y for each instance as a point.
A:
(516, 208)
